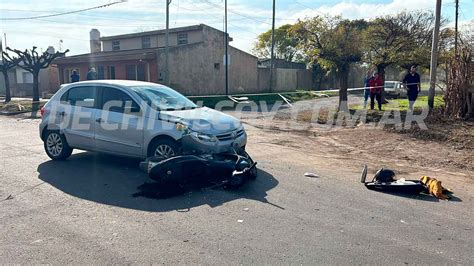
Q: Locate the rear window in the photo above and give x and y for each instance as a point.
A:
(389, 84)
(80, 96)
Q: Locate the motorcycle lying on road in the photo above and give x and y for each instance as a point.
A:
(230, 170)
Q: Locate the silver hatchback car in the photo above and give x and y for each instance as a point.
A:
(133, 119)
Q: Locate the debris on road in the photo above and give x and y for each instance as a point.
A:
(246, 209)
(240, 221)
(384, 181)
(435, 188)
(312, 175)
(9, 197)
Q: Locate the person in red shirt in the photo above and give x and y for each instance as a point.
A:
(376, 86)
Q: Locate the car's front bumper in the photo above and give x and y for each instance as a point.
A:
(191, 144)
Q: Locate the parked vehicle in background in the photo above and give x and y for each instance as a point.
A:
(135, 119)
(395, 89)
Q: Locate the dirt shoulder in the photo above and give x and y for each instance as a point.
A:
(446, 146)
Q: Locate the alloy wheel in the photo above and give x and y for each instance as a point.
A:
(164, 151)
(54, 144)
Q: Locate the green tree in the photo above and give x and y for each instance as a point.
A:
(285, 44)
(333, 43)
(403, 39)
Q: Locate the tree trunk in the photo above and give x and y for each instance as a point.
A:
(456, 96)
(8, 96)
(381, 71)
(343, 82)
(35, 86)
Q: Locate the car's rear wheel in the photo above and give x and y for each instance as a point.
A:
(56, 146)
(164, 149)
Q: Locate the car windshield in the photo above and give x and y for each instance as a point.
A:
(163, 98)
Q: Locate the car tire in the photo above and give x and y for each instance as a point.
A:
(163, 148)
(56, 146)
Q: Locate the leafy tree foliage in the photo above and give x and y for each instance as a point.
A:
(285, 44)
(333, 43)
(403, 39)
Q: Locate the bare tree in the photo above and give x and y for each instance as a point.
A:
(33, 62)
(5, 65)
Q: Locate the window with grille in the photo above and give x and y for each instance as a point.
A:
(146, 42)
(115, 45)
(182, 38)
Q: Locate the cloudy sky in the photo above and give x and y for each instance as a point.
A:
(246, 18)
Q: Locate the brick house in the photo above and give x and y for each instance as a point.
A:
(196, 56)
(21, 82)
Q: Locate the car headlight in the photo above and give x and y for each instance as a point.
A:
(204, 137)
(181, 127)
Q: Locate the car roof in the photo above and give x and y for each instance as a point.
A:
(118, 82)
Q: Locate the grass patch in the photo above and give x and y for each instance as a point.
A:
(19, 106)
(402, 104)
(267, 98)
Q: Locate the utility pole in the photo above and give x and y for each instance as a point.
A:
(226, 52)
(456, 30)
(434, 55)
(167, 44)
(272, 63)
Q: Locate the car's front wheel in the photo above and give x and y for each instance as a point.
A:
(56, 146)
(164, 149)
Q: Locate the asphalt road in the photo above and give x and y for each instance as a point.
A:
(83, 211)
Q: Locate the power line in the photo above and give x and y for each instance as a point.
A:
(114, 25)
(16, 31)
(235, 12)
(177, 15)
(64, 13)
(191, 9)
(81, 14)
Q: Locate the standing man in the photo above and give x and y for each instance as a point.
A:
(367, 79)
(412, 84)
(376, 91)
(75, 76)
(92, 74)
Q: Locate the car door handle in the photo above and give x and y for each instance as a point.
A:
(99, 120)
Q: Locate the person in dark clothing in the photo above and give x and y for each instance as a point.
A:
(367, 79)
(412, 84)
(376, 86)
(75, 76)
(92, 74)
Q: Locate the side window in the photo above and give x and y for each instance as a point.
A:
(80, 96)
(63, 99)
(115, 100)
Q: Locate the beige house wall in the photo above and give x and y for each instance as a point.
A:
(155, 41)
(242, 72)
(198, 69)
